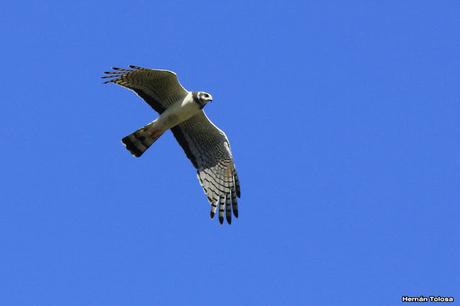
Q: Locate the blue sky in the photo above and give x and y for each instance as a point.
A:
(343, 119)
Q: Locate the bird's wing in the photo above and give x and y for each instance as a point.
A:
(159, 88)
(209, 150)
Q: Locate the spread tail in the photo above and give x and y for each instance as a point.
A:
(139, 141)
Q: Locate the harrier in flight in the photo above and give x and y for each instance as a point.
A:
(181, 111)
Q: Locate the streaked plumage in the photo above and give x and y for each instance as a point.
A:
(181, 111)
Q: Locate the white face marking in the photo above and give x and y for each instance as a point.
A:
(205, 97)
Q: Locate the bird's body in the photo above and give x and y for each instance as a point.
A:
(178, 112)
(181, 111)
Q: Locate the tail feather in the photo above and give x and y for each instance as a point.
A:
(139, 141)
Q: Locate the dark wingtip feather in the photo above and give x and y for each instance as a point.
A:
(237, 185)
(221, 219)
(212, 214)
(235, 213)
(119, 69)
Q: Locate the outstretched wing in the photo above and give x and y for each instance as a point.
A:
(209, 150)
(159, 88)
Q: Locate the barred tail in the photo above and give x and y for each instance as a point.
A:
(139, 141)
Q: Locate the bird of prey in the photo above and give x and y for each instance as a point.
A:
(181, 111)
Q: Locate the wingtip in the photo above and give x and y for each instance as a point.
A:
(221, 220)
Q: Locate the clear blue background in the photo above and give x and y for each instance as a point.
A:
(344, 121)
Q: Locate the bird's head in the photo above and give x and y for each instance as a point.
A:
(202, 98)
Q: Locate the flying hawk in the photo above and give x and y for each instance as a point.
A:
(181, 111)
